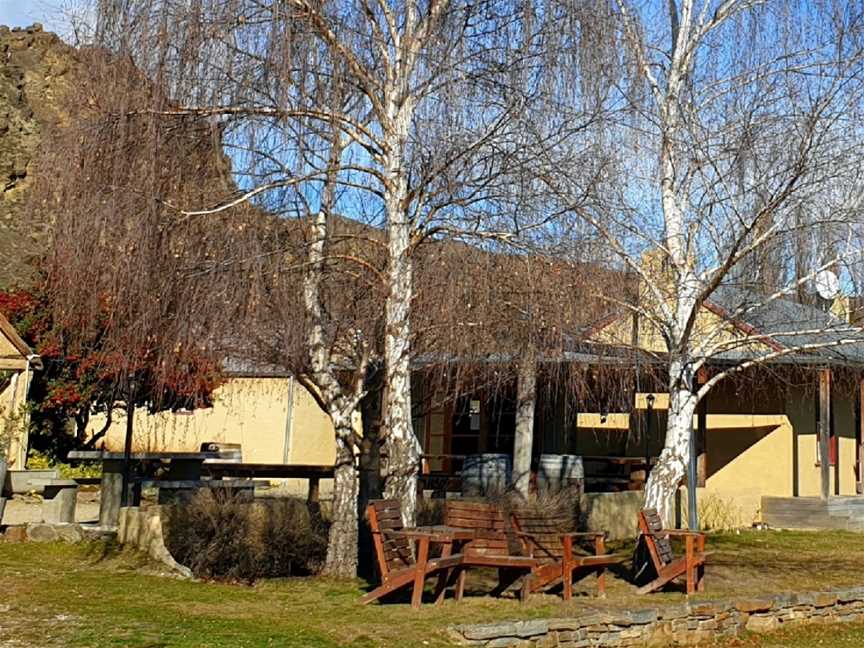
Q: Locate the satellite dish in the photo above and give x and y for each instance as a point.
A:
(827, 284)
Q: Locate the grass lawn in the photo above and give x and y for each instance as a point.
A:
(87, 595)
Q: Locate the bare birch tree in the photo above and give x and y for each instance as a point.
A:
(739, 124)
(433, 80)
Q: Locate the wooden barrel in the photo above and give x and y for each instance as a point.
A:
(485, 474)
(557, 471)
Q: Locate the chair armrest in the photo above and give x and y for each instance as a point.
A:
(570, 534)
(683, 534)
(673, 532)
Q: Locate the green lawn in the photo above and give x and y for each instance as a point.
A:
(64, 595)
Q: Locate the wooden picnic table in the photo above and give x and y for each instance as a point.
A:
(632, 475)
(312, 473)
(182, 466)
(450, 538)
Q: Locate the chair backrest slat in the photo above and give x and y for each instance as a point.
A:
(546, 533)
(659, 546)
(479, 515)
(393, 552)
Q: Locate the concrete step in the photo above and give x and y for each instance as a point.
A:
(813, 512)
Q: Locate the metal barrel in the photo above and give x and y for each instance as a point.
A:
(558, 471)
(486, 474)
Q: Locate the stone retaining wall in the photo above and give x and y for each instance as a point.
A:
(684, 624)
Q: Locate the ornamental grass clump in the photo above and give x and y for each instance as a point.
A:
(221, 536)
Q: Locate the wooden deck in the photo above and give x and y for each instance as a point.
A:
(837, 512)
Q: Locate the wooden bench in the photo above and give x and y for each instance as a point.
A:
(396, 563)
(666, 566)
(501, 550)
(551, 542)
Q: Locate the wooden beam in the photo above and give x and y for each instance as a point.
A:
(825, 431)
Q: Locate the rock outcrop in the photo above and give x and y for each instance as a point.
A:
(36, 68)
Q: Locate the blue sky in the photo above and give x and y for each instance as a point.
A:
(21, 13)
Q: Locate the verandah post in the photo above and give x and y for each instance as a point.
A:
(825, 431)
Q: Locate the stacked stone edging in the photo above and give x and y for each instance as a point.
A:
(683, 624)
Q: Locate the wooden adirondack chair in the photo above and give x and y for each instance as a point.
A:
(500, 549)
(396, 562)
(666, 565)
(547, 540)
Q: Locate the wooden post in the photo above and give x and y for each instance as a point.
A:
(702, 443)
(127, 448)
(702, 432)
(859, 440)
(314, 489)
(825, 431)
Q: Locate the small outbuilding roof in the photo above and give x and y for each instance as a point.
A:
(15, 353)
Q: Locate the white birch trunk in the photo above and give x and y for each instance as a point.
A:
(343, 540)
(671, 467)
(401, 457)
(338, 401)
(526, 400)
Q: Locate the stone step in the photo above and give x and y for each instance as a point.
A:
(813, 512)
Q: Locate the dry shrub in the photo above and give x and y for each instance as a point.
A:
(430, 511)
(560, 506)
(720, 514)
(224, 537)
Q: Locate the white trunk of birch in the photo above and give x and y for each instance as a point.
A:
(339, 402)
(671, 467)
(343, 540)
(401, 449)
(526, 401)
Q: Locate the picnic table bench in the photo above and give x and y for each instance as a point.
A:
(181, 490)
(180, 466)
(481, 535)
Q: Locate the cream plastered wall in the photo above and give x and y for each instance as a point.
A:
(809, 470)
(756, 456)
(250, 411)
(13, 418)
(751, 455)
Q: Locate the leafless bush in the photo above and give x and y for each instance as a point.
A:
(561, 507)
(219, 536)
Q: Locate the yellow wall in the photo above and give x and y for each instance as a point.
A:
(14, 417)
(250, 411)
(749, 454)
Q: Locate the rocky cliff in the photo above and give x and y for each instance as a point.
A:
(36, 68)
